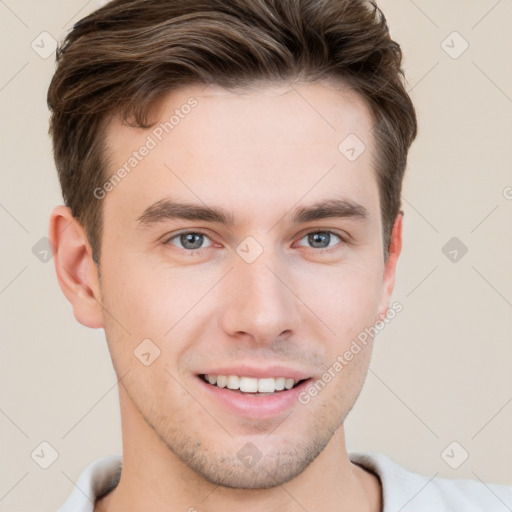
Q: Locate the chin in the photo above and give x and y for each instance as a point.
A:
(249, 467)
(265, 474)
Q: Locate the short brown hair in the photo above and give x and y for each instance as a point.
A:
(125, 56)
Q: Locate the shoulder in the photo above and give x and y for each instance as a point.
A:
(411, 492)
(96, 480)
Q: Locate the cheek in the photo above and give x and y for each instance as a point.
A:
(148, 303)
(346, 298)
(162, 306)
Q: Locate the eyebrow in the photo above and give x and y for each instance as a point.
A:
(167, 209)
(331, 208)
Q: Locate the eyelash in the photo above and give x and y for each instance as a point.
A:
(328, 249)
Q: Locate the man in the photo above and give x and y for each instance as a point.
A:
(232, 175)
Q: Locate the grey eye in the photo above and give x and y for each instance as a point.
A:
(321, 239)
(189, 241)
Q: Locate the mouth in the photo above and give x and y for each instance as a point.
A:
(252, 386)
(255, 398)
(255, 393)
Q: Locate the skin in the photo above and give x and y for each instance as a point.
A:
(258, 154)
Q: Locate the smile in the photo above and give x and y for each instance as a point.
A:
(251, 385)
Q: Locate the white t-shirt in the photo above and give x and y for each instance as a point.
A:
(403, 491)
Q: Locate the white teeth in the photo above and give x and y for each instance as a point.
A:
(250, 384)
(233, 382)
(280, 383)
(266, 385)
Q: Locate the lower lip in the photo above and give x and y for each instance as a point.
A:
(255, 406)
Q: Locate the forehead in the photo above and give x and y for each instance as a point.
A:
(257, 144)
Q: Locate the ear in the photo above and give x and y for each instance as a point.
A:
(76, 271)
(390, 268)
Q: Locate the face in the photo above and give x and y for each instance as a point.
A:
(270, 268)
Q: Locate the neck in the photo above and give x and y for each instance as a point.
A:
(153, 478)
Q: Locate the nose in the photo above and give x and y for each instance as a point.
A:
(260, 303)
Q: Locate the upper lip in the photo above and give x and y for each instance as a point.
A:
(258, 373)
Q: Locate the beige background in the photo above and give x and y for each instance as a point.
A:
(441, 371)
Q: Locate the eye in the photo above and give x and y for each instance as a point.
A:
(189, 240)
(321, 239)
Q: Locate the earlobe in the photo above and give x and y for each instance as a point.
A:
(76, 271)
(395, 248)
